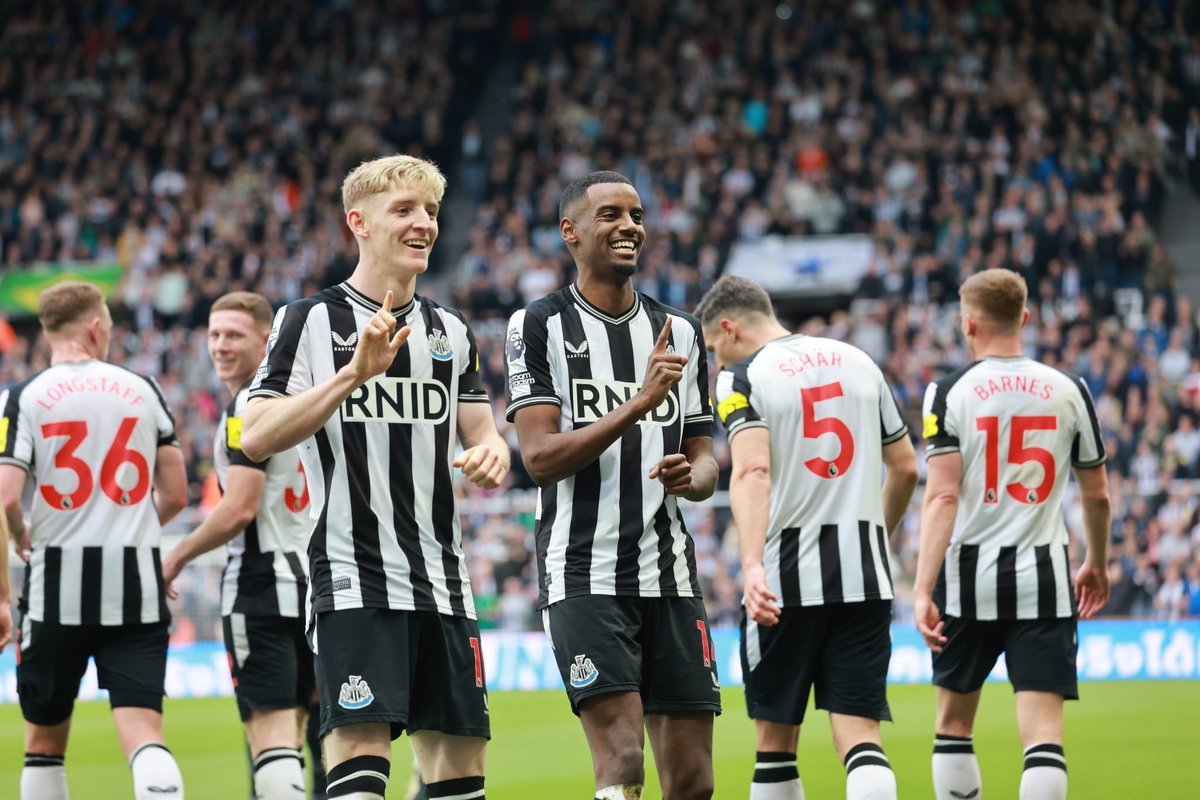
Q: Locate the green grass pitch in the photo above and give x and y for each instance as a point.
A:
(1123, 740)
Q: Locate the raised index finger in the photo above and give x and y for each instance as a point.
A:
(664, 337)
(387, 302)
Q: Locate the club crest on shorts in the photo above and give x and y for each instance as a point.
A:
(583, 672)
(355, 694)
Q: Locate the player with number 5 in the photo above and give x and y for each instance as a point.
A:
(96, 438)
(810, 421)
(1003, 434)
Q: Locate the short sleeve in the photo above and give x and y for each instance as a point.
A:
(939, 432)
(1087, 450)
(470, 379)
(892, 426)
(697, 408)
(733, 400)
(286, 369)
(16, 439)
(527, 364)
(163, 418)
(231, 436)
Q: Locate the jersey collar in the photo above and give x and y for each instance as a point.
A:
(366, 302)
(600, 315)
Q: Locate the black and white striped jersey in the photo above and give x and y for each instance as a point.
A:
(266, 572)
(1020, 427)
(88, 433)
(609, 529)
(387, 532)
(829, 412)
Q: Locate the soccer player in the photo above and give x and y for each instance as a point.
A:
(810, 423)
(96, 439)
(263, 518)
(609, 392)
(1002, 434)
(373, 381)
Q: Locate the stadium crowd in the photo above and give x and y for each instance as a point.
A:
(206, 142)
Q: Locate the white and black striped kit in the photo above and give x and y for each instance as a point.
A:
(387, 532)
(829, 412)
(1020, 427)
(266, 571)
(88, 433)
(609, 529)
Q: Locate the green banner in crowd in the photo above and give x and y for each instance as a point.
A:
(19, 289)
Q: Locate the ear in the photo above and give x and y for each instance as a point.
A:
(1024, 317)
(357, 222)
(568, 231)
(730, 327)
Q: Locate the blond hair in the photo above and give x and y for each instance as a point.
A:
(66, 302)
(373, 177)
(998, 295)
(253, 304)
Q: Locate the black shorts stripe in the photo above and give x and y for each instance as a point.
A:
(90, 585)
(831, 564)
(1006, 583)
(789, 565)
(870, 579)
(585, 501)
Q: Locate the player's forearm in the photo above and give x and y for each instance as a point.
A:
(14, 516)
(1097, 521)
(5, 597)
(550, 457)
(225, 522)
(898, 489)
(704, 478)
(275, 424)
(937, 526)
(750, 501)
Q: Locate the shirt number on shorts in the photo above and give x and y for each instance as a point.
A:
(705, 642)
(119, 454)
(474, 640)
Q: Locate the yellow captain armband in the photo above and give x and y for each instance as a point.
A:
(3, 433)
(931, 426)
(233, 433)
(730, 404)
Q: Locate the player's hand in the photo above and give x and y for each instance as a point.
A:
(761, 603)
(24, 546)
(1091, 589)
(929, 622)
(6, 628)
(482, 466)
(675, 474)
(377, 347)
(171, 568)
(663, 370)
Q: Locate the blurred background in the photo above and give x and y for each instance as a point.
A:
(859, 158)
